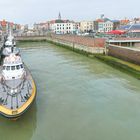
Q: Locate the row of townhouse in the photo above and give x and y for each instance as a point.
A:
(4, 25)
(60, 26)
(70, 27)
(100, 25)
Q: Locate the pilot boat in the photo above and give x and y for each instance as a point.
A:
(17, 87)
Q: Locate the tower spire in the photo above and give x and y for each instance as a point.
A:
(59, 16)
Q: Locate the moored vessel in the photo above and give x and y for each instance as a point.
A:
(17, 87)
(9, 45)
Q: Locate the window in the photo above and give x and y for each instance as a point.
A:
(13, 68)
(8, 68)
(17, 67)
(21, 66)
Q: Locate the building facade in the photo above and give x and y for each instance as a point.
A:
(63, 27)
(86, 26)
(105, 25)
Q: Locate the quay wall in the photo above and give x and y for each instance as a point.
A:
(77, 46)
(125, 53)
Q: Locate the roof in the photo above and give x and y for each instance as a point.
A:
(115, 20)
(100, 20)
(103, 20)
(60, 21)
(133, 27)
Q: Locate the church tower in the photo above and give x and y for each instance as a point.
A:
(59, 16)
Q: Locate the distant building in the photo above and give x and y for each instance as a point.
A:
(88, 26)
(77, 27)
(26, 28)
(132, 30)
(105, 25)
(63, 27)
(124, 22)
(45, 26)
(5, 25)
(60, 26)
(116, 24)
(135, 21)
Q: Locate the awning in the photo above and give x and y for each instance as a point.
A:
(116, 32)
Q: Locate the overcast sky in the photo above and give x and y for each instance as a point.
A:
(30, 11)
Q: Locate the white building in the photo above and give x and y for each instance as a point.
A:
(108, 26)
(60, 26)
(63, 27)
(105, 26)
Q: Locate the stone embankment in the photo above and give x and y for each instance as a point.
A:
(81, 44)
(129, 54)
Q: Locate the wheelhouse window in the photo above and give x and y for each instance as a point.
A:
(21, 66)
(18, 67)
(8, 68)
(13, 68)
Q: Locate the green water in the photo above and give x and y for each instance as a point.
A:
(78, 99)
